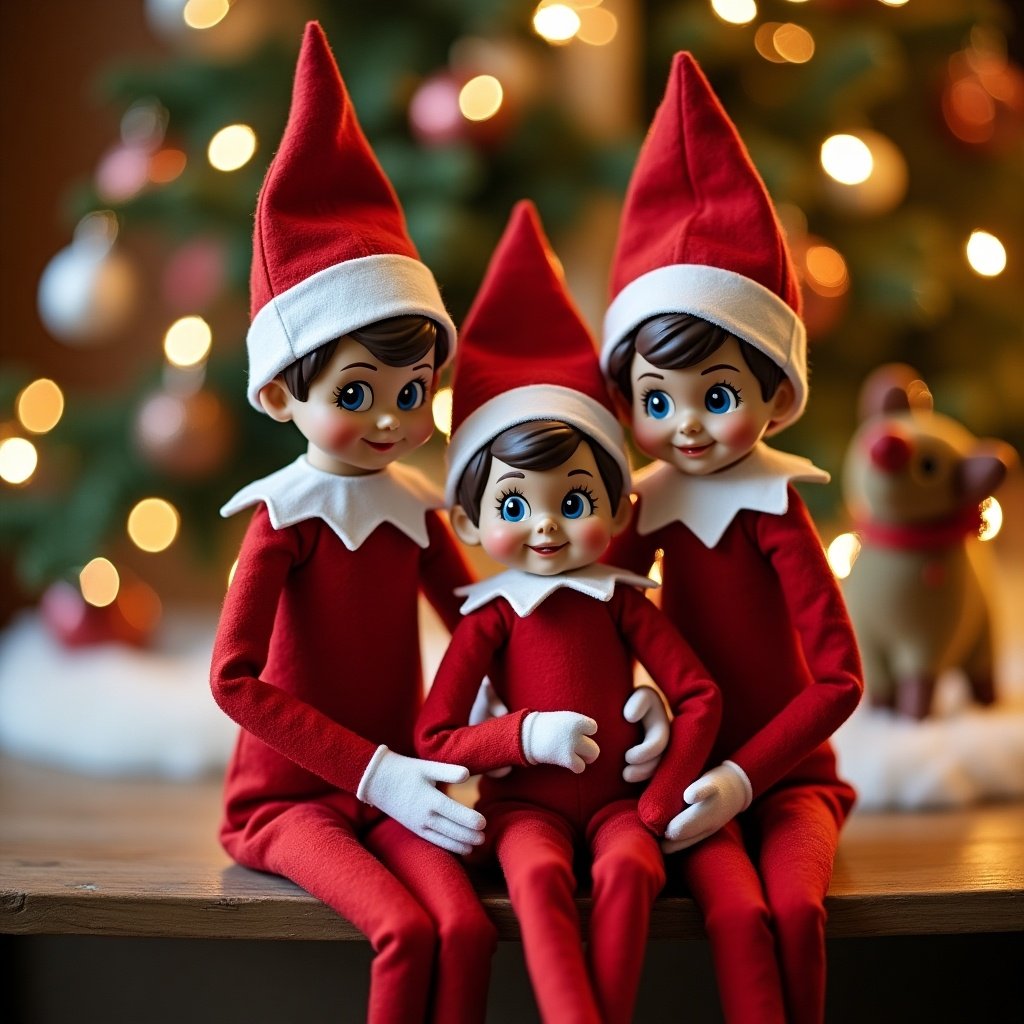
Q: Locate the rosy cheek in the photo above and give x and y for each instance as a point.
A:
(502, 541)
(420, 427)
(740, 431)
(647, 434)
(594, 536)
(342, 431)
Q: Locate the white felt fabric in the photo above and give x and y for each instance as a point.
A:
(708, 504)
(353, 506)
(560, 738)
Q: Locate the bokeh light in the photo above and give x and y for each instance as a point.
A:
(232, 147)
(441, 408)
(847, 159)
(986, 254)
(40, 406)
(826, 271)
(200, 14)
(187, 341)
(556, 23)
(153, 524)
(100, 582)
(735, 12)
(842, 553)
(480, 98)
(991, 519)
(793, 43)
(18, 460)
(598, 27)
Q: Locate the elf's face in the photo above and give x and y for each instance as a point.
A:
(546, 521)
(704, 417)
(361, 414)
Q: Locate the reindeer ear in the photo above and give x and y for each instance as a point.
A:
(895, 400)
(983, 471)
(893, 388)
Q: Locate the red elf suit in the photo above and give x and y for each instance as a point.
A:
(317, 652)
(745, 578)
(562, 642)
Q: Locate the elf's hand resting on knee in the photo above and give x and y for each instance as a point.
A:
(646, 707)
(714, 799)
(560, 737)
(405, 788)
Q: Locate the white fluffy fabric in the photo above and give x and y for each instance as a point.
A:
(111, 709)
(962, 755)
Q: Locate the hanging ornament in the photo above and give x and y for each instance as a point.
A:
(129, 618)
(188, 436)
(451, 107)
(983, 100)
(88, 290)
(194, 275)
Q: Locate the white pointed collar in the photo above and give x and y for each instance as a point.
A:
(525, 591)
(708, 504)
(352, 506)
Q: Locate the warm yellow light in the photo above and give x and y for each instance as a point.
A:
(991, 519)
(986, 254)
(735, 12)
(18, 460)
(894, 3)
(99, 582)
(153, 524)
(793, 43)
(556, 23)
(826, 270)
(442, 410)
(847, 159)
(480, 98)
(200, 14)
(187, 341)
(842, 553)
(232, 147)
(764, 42)
(40, 406)
(598, 27)
(231, 571)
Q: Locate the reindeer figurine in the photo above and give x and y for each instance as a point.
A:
(914, 481)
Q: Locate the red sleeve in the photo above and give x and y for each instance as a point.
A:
(442, 569)
(290, 726)
(695, 701)
(821, 623)
(631, 551)
(442, 733)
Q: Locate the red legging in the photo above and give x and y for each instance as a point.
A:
(412, 900)
(767, 926)
(535, 847)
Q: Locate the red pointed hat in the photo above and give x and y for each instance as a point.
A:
(526, 354)
(331, 252)
(699, 235)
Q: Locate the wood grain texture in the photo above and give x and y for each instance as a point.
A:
(140, 858)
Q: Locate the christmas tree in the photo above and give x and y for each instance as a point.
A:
(890, 135)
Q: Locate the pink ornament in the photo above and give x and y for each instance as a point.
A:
(194, 275)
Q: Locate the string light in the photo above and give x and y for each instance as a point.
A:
(18, 460)
(232, 147)
(556, 23)
(735, 12)
(894, 3)
(153, 524)
(99, 582)
(40, 406)
(480, 98)
(847, 159)
(598, 27)
(201, 14)
(187, 341)
(793, 43)
(842, 553)
(826, 271)
(166, 165)
(441, 407)
(991, 519)
(986, 254)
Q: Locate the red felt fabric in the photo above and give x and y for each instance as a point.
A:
(325, 199)
(574, 653)
(696, 197)
(317, 658)
(763, 612)
(523, 327)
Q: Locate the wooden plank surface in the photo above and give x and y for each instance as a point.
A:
(140, 858)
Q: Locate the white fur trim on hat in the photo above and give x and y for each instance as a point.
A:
(523, 405)
(335, 301)
(723, 297)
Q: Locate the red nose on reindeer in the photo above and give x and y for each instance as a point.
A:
(890, 452)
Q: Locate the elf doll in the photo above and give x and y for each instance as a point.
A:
(538, 476)
(317, 654)
(703, 340)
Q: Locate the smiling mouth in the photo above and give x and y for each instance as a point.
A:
(380, 446)
(692, 451)
(547, 550)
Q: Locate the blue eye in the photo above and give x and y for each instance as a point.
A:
(577, 504)
(657, 405)
(721, 398)
(354, 397)
(514, 508)
(412, 395)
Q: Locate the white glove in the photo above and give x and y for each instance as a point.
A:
(560, 737)
(645, 706)
(715, 798)
(488, 705)
(405, 788)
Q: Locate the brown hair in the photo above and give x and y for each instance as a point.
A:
(539, 444)
(673, 341)
(397, 341)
